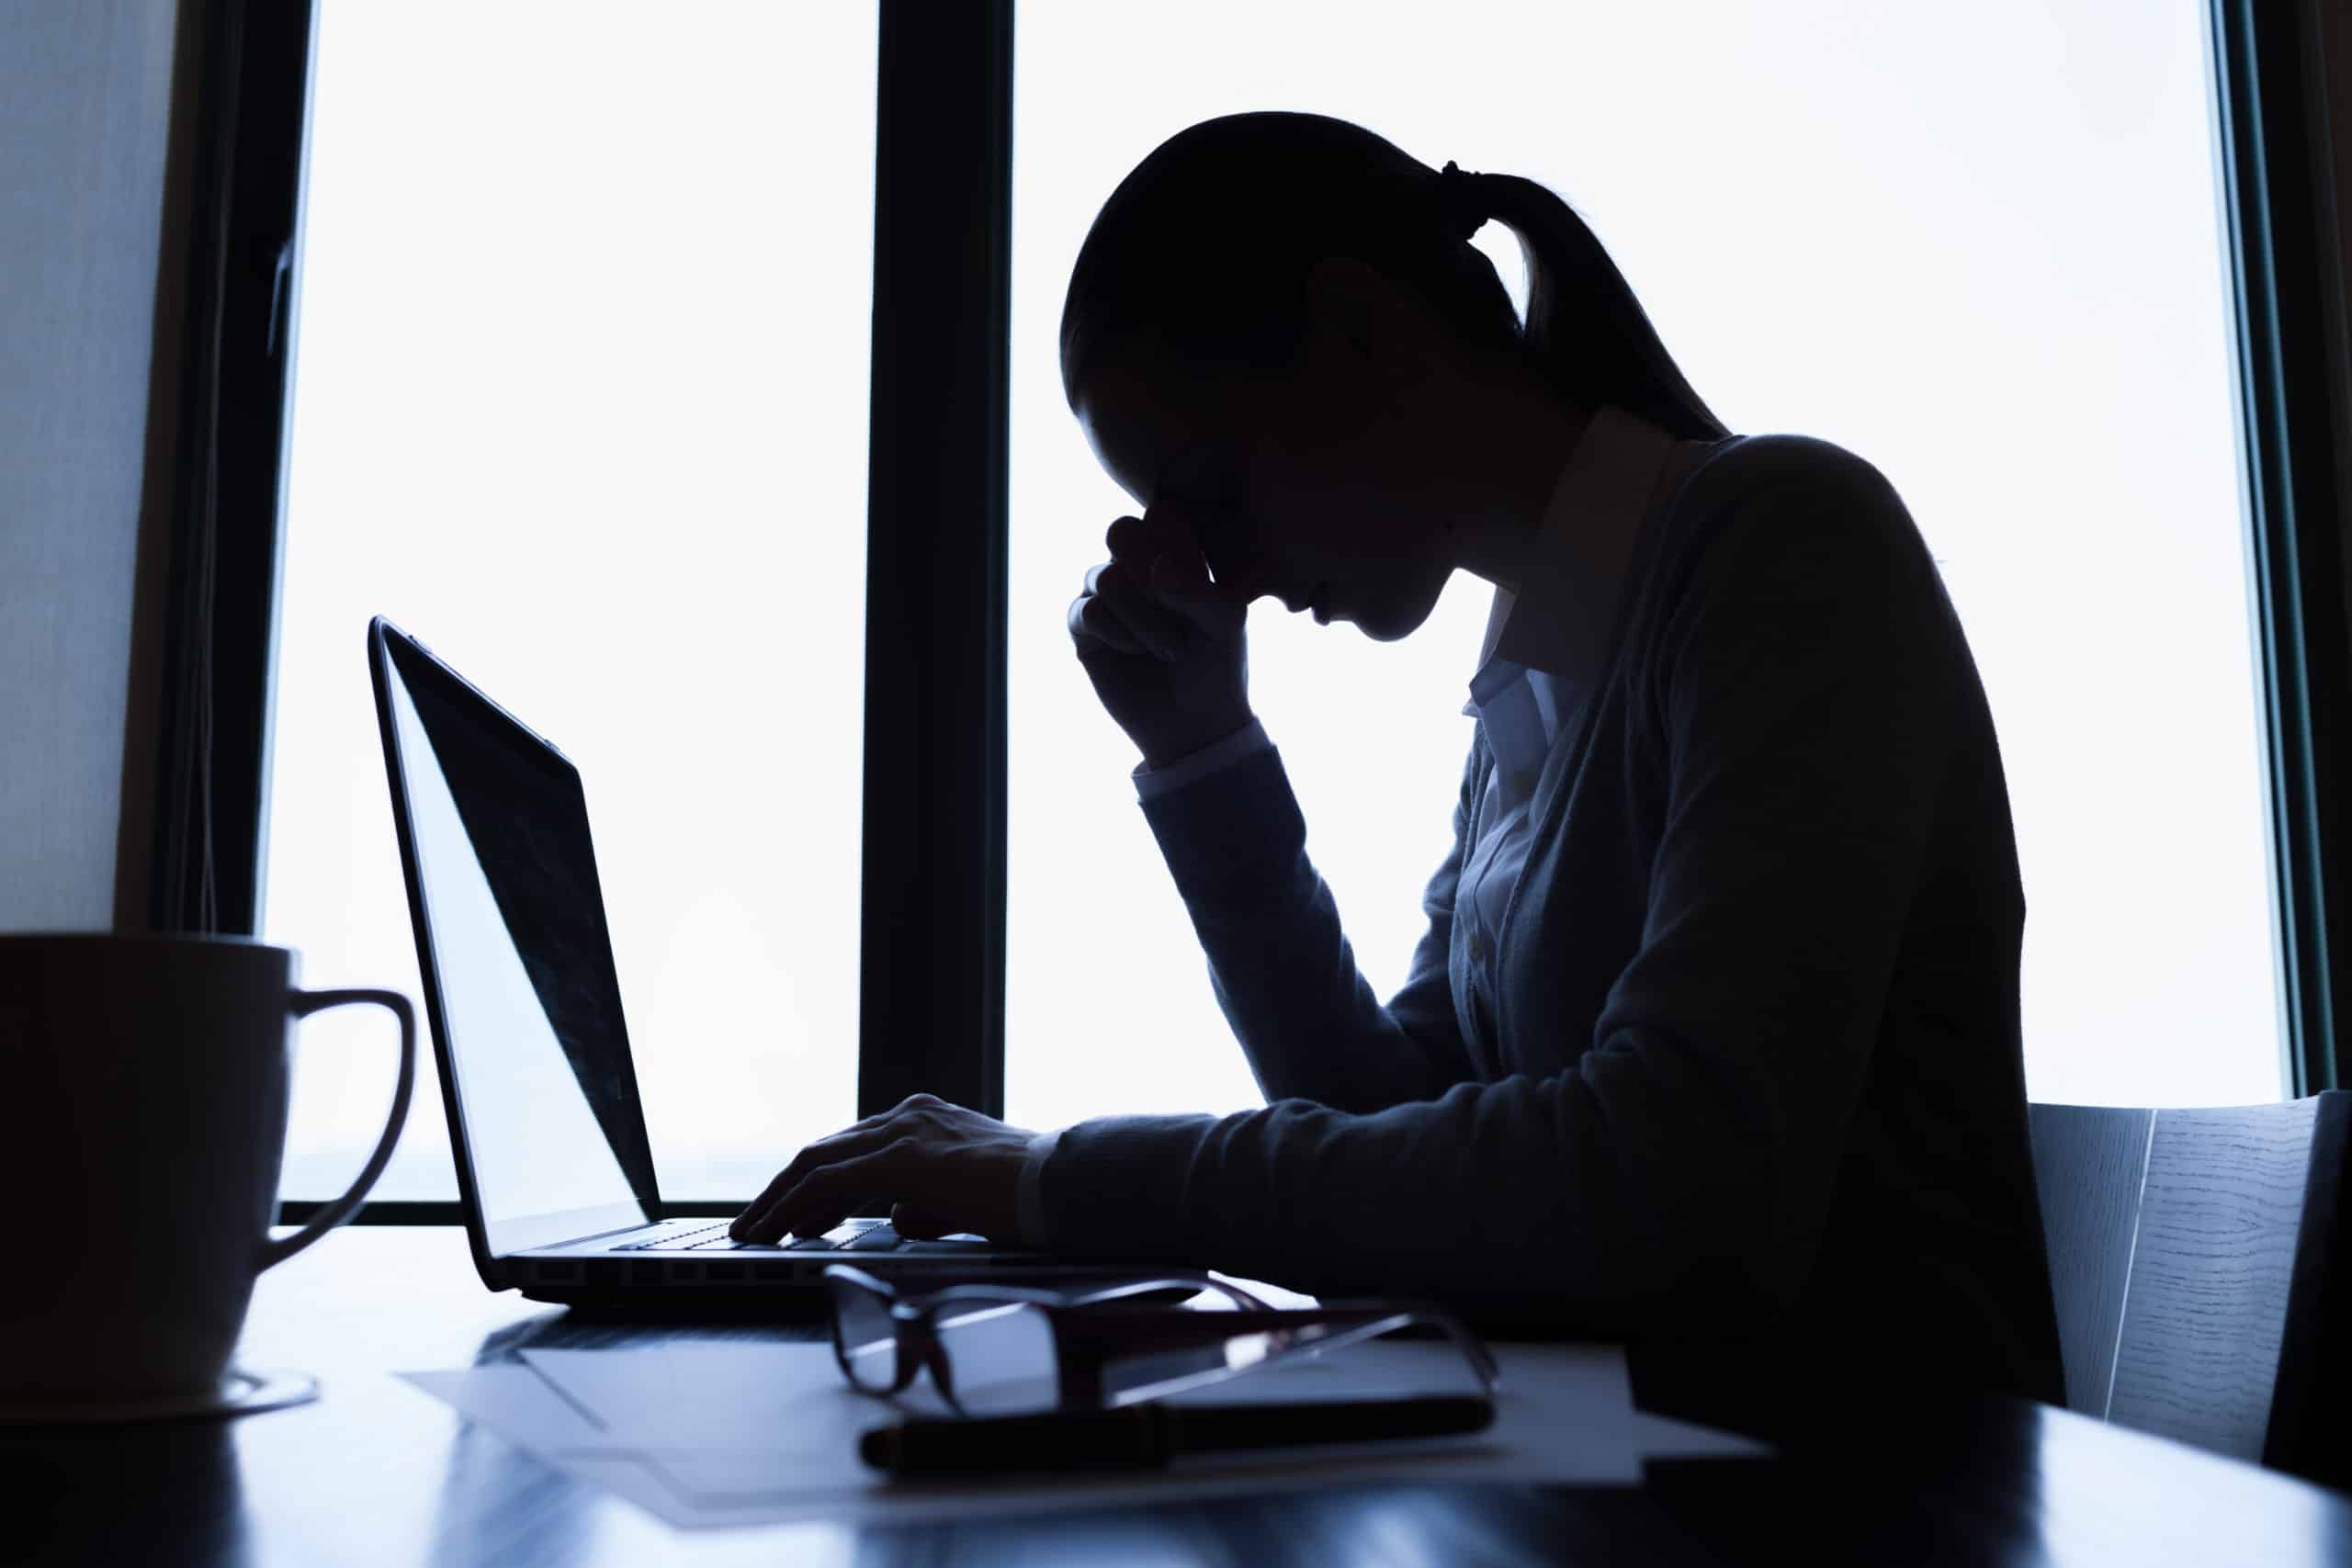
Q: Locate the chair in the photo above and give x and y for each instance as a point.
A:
(2203, 1281)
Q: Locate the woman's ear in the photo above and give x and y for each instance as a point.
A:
(1355, 309)
(1342, 304)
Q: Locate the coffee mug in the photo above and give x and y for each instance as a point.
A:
(143, 1084)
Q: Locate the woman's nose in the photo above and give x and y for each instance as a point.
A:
(1245, 577)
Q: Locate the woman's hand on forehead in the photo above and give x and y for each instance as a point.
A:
(1165, 551)
(1162, 643)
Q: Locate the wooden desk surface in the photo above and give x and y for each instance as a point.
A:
(375, 1471)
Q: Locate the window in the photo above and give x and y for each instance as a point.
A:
(580, 401)
(2010, 297)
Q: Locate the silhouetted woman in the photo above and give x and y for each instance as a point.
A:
(1712, 1041)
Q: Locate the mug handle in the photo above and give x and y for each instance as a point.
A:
(305, 1003)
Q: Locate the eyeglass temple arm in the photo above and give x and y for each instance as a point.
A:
(1107, 1334)
(1371, 1325)
(1231, 1292)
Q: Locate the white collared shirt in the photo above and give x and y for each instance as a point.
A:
(1547, 645)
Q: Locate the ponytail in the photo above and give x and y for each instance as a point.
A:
(1584, 326)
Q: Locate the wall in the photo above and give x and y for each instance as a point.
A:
(85, 115)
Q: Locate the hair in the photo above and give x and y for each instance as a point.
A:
(1206, 244)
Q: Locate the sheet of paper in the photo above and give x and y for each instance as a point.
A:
(1563, 1415)
(520, 1404)
(526, 1410)
(739, 1432)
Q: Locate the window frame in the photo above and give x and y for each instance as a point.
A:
(932, 897)
(2286, 285)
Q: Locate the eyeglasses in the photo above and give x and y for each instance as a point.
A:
(1004, 1348)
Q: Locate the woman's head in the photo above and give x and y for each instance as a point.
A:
(1277, 324)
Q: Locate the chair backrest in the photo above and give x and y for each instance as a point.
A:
(2193, 1254)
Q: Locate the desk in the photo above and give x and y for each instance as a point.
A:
(376, 1472)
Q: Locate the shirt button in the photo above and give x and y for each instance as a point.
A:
(1478, 947)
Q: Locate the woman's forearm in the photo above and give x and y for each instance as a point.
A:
(1282, 967)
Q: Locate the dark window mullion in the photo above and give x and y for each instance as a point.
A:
(247, 70)
(931, 991)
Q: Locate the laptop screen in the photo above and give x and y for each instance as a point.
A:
(520, 957)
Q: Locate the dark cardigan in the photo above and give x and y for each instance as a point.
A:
(1748, 1090)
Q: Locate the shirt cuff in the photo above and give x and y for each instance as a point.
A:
(1029, 1199)
(1249, 741)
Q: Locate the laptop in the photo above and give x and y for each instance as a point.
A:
(554, 1168)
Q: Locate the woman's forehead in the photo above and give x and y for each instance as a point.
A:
(1140, 424)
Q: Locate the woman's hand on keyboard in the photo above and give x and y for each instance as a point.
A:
(944, 1169)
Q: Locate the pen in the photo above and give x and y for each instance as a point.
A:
(1140, 1436)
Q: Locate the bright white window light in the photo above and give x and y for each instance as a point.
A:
(580, 399)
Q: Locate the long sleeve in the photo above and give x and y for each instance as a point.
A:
(1152, 783)
(1807, 679)
(1282, 968)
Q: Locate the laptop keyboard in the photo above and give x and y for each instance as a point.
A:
(851, 1235)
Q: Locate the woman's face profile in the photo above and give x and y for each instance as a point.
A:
(1316, 479)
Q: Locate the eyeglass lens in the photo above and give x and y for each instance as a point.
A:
(866, 1337)
(1000, 1356)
